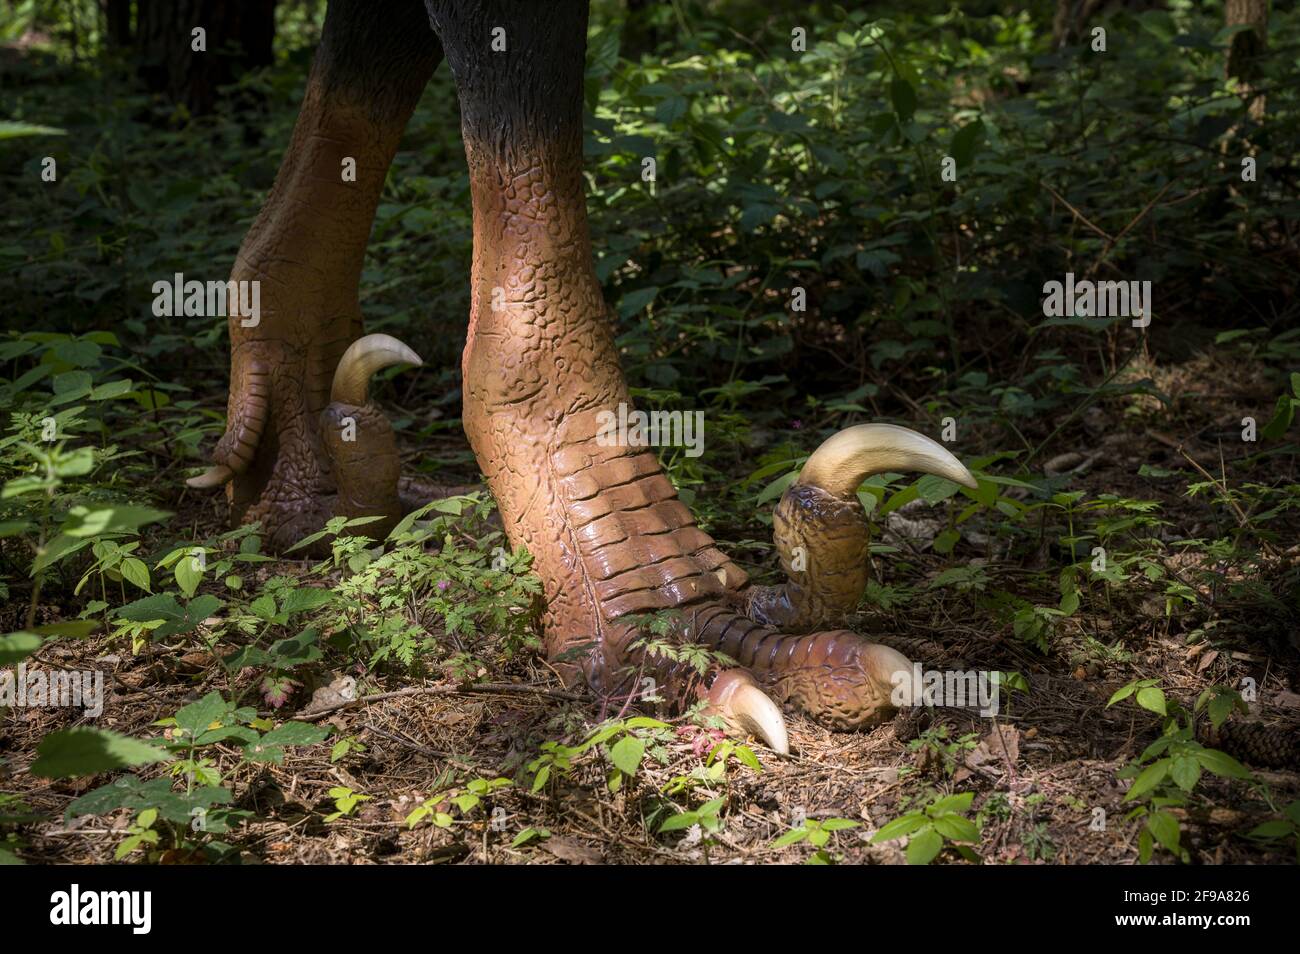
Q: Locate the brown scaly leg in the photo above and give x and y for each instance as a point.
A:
(302, 443)
(609, 536)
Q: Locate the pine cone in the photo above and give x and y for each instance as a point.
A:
(1256, 743)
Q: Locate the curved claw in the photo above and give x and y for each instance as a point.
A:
(364, 357)
(215, 476)
(846, 459)
(738, 700)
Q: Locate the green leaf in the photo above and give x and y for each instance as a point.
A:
(15, 647)
(71, 385)
(626, 754)
(188, 575)
(1152, 699)
(12, 130)
(904, 496)
(1186, 772)
(964, 141)
(899, 827)
(543, 775)
(678, 822)
(903, 97)
(83, 522)
(295, 650)
(1277, 828)
(176, 618)
(1280, 422)
(305, 598)
(956, 828)
(527, 835)
(160, 606)
(1145, 845)
(777, 487)
(87, 751)
(1151, 776)
(263, 607)
(130, 792)
(1221, 763)
(959, 802)
(1221, 706)
(635, 301)
(933, 489)
(1164, 828)
(135, 572)
(644, 722)
(792, 837)
(197, 717)
(295, 733)
(924, 847)
(840, 824)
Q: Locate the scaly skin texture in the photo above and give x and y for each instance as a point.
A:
(609, 536)
(306, 247)
(823, 542)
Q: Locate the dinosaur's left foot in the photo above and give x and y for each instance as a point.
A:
(302, 443)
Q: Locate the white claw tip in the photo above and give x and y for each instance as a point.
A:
(363, 358)
(754, 710)
(846, 459)
(215, 476)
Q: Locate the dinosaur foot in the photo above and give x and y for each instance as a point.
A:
(292, 469)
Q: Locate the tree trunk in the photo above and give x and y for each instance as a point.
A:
(117, 20)
(1246, 47)
(1071, 20)
(238, 35)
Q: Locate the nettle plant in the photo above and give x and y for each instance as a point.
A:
(463, 799)
(623, 742)
(930, 828)
(245, 631)
(819, 835)
(446, 570)
(13, 813)
(182, 809)
(68, 488)
(1166, 774)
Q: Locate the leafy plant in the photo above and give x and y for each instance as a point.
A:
(818, 834)
(1168, 770)
(940, 823)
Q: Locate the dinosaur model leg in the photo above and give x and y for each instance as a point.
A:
(302, 443)
(609, 537)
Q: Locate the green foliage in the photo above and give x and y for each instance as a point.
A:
(472, 592)
(949, 753)
(818, 834)
(1287, 826)
(345, 802)
(622, 740)
(940, 823)
(193, 813)
(465, 799)
(1166, 774)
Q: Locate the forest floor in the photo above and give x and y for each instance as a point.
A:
(1044, 772)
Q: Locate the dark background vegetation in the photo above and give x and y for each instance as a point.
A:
(776, 170)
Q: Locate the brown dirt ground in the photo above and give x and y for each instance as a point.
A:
(1048, 761)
